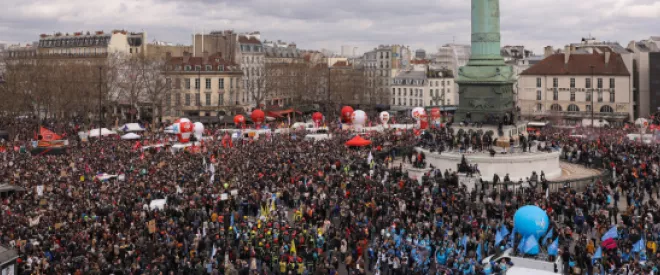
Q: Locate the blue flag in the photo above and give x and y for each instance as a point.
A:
(479, 253)
(547, 236)
(231, 221)
(513, 237)
(553, 249)
(531, 245)
(498, 238)
(503, 231)
(610, 234)
(638, 246)
(598, 254)
(464, 242)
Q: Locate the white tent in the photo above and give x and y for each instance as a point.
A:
(158, 204)
(103, 132)
(131, 127)
(130, 136)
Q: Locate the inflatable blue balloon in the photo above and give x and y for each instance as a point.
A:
(531, 220)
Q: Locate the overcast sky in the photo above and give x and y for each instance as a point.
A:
(317, 24)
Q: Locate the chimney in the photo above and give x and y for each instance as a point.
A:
(567, 54)
(607, 58)
(547, 51)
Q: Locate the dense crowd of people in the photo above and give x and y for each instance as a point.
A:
(285, 205)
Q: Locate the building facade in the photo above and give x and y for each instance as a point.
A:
(203, 86)
(252, 63)
(568, 88)
(428, 88)
(96, 44)
(643, 78)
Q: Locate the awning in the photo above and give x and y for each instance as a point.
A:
(280, 113)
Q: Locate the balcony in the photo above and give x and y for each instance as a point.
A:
(586, 114)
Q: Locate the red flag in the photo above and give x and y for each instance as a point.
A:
(212, 158)
(142, 156)
(137, 145)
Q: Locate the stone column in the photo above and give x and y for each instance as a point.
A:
(485, 29)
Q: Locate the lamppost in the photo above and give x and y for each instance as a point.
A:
(592, 95)
(199, 93)
(100, 100)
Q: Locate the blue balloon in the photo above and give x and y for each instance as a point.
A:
(531, 220)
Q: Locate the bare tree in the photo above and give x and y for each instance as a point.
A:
(256, 85)
(156, 84)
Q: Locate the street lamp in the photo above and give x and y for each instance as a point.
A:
(592, 96)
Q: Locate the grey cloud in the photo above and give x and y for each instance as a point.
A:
(317, 24)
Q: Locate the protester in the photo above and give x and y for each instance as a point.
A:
(285, 205)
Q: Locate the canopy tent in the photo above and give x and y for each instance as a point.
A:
(358, 141)
(131, 127)
(103, 132)
(130, 136)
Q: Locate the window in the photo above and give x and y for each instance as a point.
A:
(539, 107)
(405, 93)
(168, 100)
(187, 99)
(555, 94)
(208, 83)
(177, 83)
(600, 96)
(588, 98)
(573, 108)
(600, 83)
(393, 91)
(177, 99)
(208, 99)
(221, 99)
(399, 91)
(197, 83)
(187, 68)
(611, 96)
(556, 107)
(448, 101)
(538, 95)
(231, 83)
(448, 90)
(221, 83)
(588, 108)
(572, 96)
(198, 67)
(606, 109)
(197, 100)
(221, 68)
(209, 67)
(421, 93)
(168, 83)
(612, 83)
(411, 102)
(399, 101)
(187, 83)
(555, 82)
(572, 82)
(587, 83)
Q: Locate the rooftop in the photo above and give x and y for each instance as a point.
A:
(248, 40)
(579, 64)
(411, 75)
(214, 60)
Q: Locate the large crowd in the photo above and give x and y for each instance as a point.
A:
(286, 205)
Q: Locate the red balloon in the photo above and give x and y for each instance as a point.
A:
(239, 119)
(317, 117)
(258, 116)
(346, 113)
